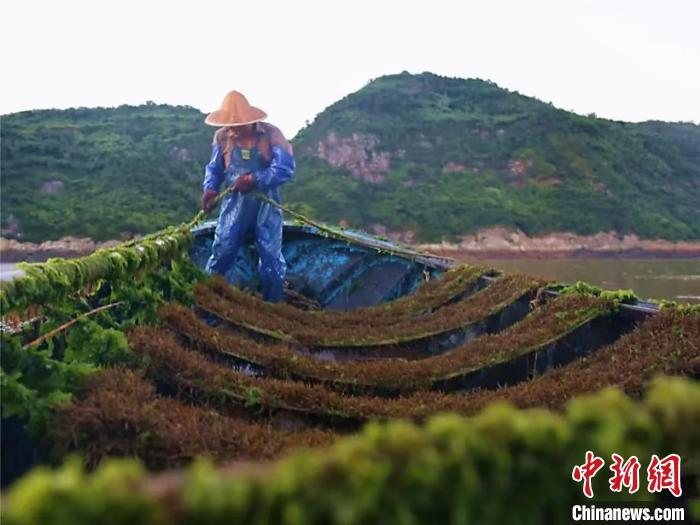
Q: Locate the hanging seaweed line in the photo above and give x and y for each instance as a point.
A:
(629, 363)
(335, 232)
(44, 283)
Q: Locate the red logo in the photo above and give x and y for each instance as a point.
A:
(586, 472)
(665, 474)
(661, 473)
(624, 474)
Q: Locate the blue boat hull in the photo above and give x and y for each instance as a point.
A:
(335, 273)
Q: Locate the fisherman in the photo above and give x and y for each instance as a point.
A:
(248, 155)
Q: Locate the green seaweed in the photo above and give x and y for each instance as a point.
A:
(45, 283)
(39, 377)
(581, 287)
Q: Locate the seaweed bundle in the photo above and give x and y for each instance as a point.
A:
(199, 379)
(530, 335)
(122, 415)
(261, 318)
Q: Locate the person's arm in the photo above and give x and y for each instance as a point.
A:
(282, 164)
(214, 170)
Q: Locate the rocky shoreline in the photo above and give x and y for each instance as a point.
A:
(500, 243)
(488, 243)
(12, 251)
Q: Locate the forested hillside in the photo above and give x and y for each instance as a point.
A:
(444, 157)
(432, 156)
(101, 173)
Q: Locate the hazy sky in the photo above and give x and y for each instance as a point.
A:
(628, 60)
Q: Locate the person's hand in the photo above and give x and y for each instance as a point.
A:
(208, 200)
(244, 183)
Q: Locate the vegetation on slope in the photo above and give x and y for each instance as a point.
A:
(465, 154)
(101, 173)
(438, 156)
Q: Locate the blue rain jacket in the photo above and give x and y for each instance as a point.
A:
(242, 215)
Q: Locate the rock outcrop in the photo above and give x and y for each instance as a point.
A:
(358, 154)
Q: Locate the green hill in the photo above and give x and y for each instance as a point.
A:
(438, 156)
(450, 155)
(100, 173)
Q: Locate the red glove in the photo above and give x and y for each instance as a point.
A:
(244, 183)
(208, 200)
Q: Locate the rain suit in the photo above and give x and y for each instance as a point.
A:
(271, 163)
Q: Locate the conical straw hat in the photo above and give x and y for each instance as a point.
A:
(235, 111)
